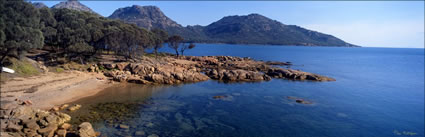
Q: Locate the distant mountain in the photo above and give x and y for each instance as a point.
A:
(74, 5)
(258, 29)
(39, 5)
(249, 29)
(144, 16)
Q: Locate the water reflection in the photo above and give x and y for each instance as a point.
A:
(190, 110)
(217, 109)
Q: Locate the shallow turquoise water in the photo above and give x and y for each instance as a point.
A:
(379, 92)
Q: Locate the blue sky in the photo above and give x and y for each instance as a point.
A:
(365, 23)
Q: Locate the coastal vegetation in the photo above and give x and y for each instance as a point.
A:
(174, 43)
(24, 67)
(20, 29)
(73, 35)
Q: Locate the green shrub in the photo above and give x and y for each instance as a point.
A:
(101, 68)
(24, 67)
(59, 70)
(75, 66)
(149, 55)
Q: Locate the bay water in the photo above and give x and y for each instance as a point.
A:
(378, 92)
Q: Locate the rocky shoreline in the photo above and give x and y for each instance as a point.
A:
(195, 69)
(19, 118)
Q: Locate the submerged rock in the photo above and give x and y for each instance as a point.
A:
(113, 113)
(153, 135)
(299, 100)
(139, 133)
(302, 101)
(219, 97)
(86, 130)
(150, 124)
(223, 97)
(122, 126)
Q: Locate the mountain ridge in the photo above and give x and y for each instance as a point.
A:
(39, 5)
(74, 5)
(144, 16)
(235, 29)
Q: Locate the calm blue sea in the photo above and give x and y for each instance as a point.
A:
(378, 92)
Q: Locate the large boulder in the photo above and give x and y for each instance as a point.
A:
(296, 75)
(109, 66)
(23, 121)
(237, 75)
(23, 111)
(85, 129)
(48, 131)
(171, 74)
(121, 66)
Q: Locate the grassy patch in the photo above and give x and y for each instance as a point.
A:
(161, 54)
(75, 66)
(101, 68)
(23, 67)
(59, 70)
(149, 55)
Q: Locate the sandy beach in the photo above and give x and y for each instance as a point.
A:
(52, 89)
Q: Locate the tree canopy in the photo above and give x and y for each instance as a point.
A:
(19, 28)
(72, 34)
(80, 32)
(160, 37)
(174, 43)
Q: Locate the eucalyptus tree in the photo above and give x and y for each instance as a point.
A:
(48, 26)
(159, 37)
(185, 47)
(111, 39)
(19, 28)
(174, 43)
(73, 34)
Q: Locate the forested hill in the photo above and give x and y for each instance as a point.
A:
(257, 29)
(69, 33)
(249, 29)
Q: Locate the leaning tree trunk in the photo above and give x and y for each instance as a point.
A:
(156, 52)
(177, 53)
(81, 60)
